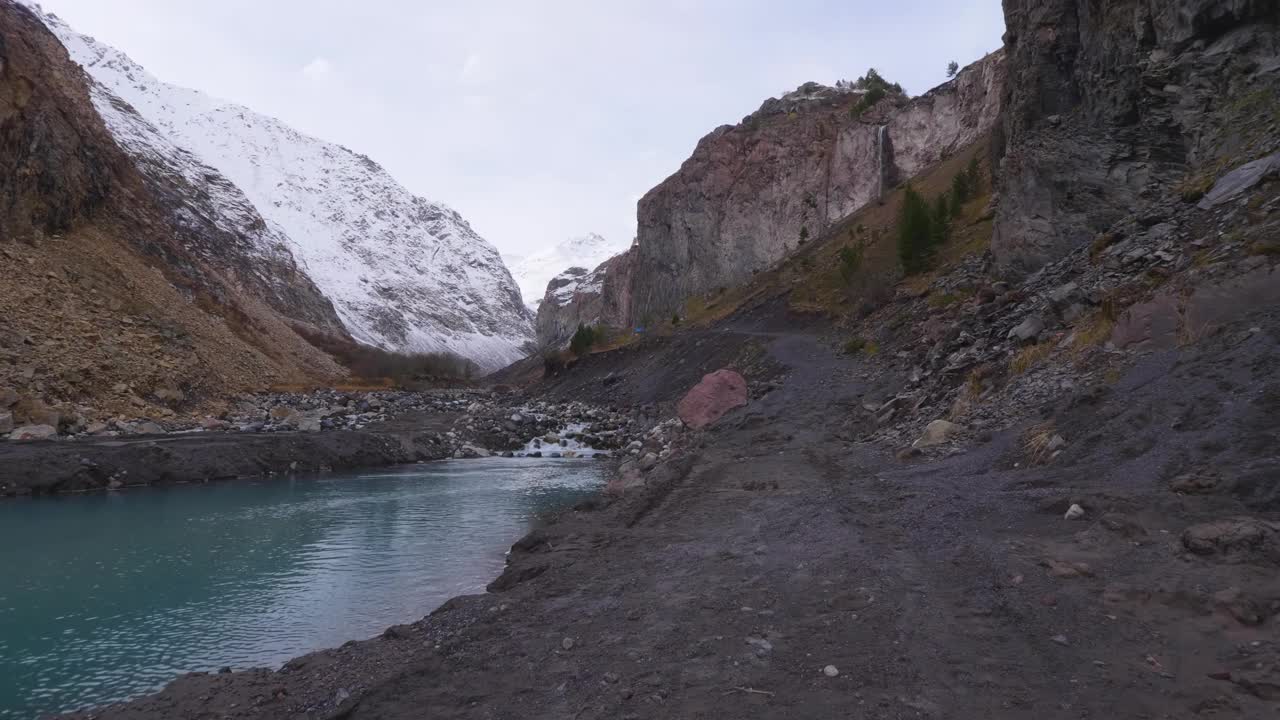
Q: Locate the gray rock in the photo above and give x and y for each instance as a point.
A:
(149, 428)
(6, 421)
(34, 432)
(648, 461)
(1028, 330)
(936, 433)
(1242, 178)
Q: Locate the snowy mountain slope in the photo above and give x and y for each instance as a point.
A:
(402, 273)
(535, 271)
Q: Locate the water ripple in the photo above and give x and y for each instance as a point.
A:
(106, 597)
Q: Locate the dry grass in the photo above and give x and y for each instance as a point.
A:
(1093, 332)
(1038, 441)
(1029, 357)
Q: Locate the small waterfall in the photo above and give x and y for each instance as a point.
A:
(880, 131)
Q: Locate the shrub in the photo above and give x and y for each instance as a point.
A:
(960, 187)
(370, 363)
(553, 362)
(953, 67)
(939, 221)
(675, 318)
(850, 262)
(804, 233)
(582, 340)
(914, 235)
(874, 89)
(975, 176)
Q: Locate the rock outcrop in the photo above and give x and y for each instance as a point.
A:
(1128, 104)
(755, 191)
(581, 297)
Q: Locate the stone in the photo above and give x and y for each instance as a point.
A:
(648, 461)
(1075, 512)
(708, 401)
(34, 432)
(1028, 330)
(566, 644)
(1233, 538)
(1060, 639)
(830, 671)
(936, 433)
(8, 398)
(6, 421)
(1237, 181)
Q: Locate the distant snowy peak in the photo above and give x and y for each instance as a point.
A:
(403, 273)
(534, 272)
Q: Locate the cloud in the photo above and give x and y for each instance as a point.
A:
(318, 69)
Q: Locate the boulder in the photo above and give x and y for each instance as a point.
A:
(1028, 330)
(8, 398)
(936, 433)
(6, 421)
(1234, 539)
(708, 401)
(34, 432)
(1242, 178)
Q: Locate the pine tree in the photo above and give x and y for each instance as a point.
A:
(975, 177)
(582, 340)
(913, 232)
(953, 67)
(939, 221)
(960, 188)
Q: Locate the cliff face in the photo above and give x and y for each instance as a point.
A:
(751, 193)
(118, 281)
(1113, 106)
(579, 296)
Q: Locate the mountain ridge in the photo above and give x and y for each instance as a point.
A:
(403, 273)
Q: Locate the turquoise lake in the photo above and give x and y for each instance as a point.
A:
(104, 597)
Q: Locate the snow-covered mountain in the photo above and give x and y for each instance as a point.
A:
(533, 272)
(403, 273)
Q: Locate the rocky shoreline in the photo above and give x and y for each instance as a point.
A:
(326, 431)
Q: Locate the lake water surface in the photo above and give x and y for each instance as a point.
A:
(104, 597)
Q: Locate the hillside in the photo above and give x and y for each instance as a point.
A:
(402, 273)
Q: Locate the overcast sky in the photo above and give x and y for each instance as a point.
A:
(537, 120)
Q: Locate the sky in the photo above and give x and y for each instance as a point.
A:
(538, 121)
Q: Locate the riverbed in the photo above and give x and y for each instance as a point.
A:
(107, 596)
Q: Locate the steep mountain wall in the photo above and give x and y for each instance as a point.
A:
(752, 192)
(1118, 105)
(116, 283)
(401, 272)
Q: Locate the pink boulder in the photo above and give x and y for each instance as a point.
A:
(717, 394)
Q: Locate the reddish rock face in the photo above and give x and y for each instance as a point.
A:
(717, 394)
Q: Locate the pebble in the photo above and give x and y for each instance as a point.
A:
(830, 671)
(1060, 639)
(567, 643)
(1075, 512)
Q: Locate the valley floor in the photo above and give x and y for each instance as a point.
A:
(777, 570)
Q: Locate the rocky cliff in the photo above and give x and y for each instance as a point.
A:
(1113, 106)
(579, 296)
(753, 192)
(121, 285)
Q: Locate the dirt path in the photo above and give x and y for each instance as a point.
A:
(948, 589)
